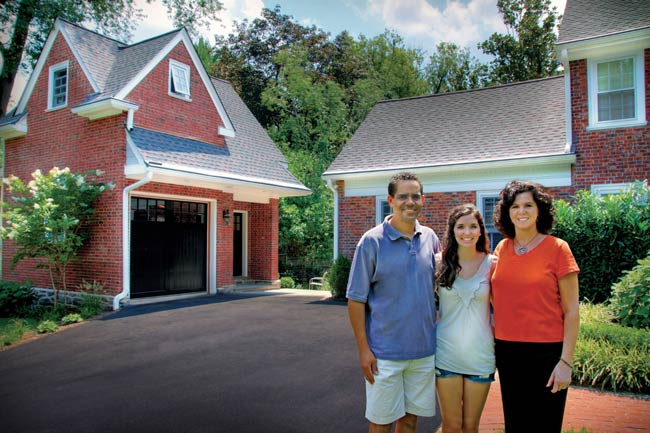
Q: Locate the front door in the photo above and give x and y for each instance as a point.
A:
(238, 245)
(168, 247)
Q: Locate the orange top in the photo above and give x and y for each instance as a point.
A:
(525, 291)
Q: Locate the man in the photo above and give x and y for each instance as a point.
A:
(392, 311)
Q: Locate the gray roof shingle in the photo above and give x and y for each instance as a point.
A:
(513, 121)
(251, 154)
(586, 19)
(110, 63)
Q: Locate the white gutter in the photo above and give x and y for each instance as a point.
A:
(567, 101)
(126, 240)
(334, 187)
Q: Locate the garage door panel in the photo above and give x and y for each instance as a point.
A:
(168, 247)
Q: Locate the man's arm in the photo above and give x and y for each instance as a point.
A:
(368, 362)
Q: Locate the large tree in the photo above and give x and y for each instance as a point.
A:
(527, 51)
(452, 68)
(26, 24)
(246, 56)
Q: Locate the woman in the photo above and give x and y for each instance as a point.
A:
(536, 317)
(465, 348)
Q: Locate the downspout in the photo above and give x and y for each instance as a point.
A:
(126, 240)
(567, 101)
(334, 189)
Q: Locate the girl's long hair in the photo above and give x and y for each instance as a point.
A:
(450, 266)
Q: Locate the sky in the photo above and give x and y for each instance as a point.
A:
(422, 23)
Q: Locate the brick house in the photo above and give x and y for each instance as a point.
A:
(197, 178)
(586, 129)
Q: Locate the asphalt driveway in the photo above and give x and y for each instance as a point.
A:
(240, 363)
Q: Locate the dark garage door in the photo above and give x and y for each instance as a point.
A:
(168, 247)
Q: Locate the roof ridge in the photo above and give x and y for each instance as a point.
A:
(457, 92)
(151, 39)
(79, 27)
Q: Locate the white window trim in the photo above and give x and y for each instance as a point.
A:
(639, 92)
(608, 188)
(379, 200)
(480, 197)
(179, 93)
(50, 92)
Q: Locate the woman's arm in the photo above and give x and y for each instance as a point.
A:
(561, 376)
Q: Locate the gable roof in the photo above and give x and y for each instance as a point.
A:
(521, 120)
(588, 19)
(114, 68)
(249, 158)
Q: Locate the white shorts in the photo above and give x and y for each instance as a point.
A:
(401, 387)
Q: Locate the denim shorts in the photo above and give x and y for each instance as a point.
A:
(484, 378)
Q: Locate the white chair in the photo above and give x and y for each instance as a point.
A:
(317, 282)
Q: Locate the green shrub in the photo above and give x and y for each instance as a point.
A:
(47, 326)
(12, 329)
(610, 356)
(15, 299)
(71, 318)
(338, 275)
(287, 283)
(607, 236)
(90, 305)
(631, 296)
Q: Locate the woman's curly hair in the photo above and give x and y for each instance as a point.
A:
(546, 218)
(449, 265)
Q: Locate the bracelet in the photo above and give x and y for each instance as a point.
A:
(568, 364)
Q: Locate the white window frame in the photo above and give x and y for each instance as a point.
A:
(50, 94)
(179, 80)
(639, 92)
(480, 204)
(379, 208)
(609, 188)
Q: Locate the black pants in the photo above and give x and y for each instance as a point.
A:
(524, 370)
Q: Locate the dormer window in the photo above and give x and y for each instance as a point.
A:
(179, 80)
(616, 92)
(58, 86)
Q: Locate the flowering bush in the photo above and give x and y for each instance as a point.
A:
(48, 217)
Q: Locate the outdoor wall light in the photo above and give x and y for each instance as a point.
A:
(226, 216)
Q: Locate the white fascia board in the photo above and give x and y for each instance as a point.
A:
(13, 130)
(84, 68)
(239, 186)
(606, 45)
(227, 129)
(497, 164)
(550, 172)
(38, 68)
(103, 108)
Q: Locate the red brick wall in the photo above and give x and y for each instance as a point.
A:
(610, 155)
(161, 112)
(358, 214)
(61, 138)
(263, 226)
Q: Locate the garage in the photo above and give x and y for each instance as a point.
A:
(168, 247)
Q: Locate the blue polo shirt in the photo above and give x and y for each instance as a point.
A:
(394, 276)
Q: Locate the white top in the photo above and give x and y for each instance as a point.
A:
(465, 335)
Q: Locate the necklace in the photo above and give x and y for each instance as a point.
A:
(523, 249)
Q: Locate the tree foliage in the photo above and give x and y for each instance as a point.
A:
(26, 25)
(526, 52)
(452, 68)
(48, 217)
